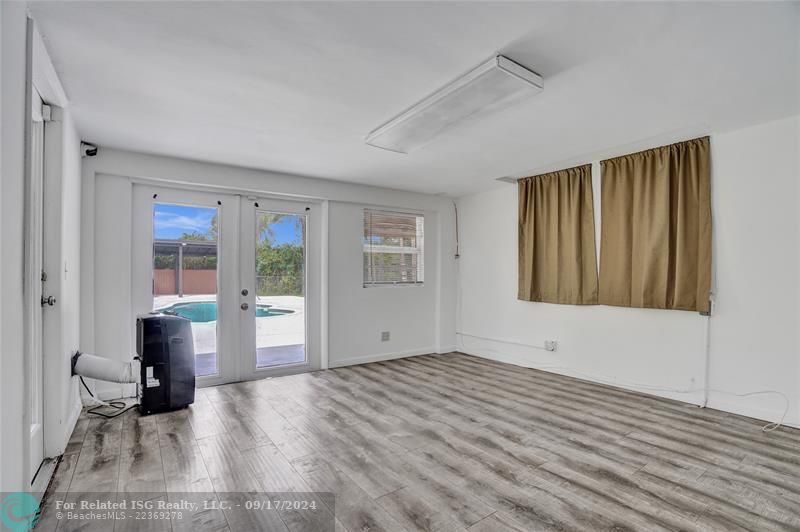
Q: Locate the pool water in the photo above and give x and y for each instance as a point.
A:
(205, 311)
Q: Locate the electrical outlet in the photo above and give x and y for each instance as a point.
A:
(384, 336)
(550, 345)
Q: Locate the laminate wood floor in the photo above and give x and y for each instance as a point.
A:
(450, 443)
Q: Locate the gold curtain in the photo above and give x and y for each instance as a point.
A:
(557, 260)
(655, 245)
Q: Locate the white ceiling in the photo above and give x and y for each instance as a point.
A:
(295, 87)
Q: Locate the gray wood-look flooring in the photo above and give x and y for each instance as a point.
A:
(450, 443)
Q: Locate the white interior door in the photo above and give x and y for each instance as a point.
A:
(34, 279)
(279, 292)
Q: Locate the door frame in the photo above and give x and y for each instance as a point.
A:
(313, 287)
(57, 418)
(34, 267)
(231, 368)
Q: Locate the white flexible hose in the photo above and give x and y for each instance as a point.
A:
(105, 369)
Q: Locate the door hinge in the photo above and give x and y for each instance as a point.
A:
(44, 276)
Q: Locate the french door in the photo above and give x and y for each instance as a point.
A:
(279, 287)
(243, 270)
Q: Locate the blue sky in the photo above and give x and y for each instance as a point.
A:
(171, 221)
(287, 231)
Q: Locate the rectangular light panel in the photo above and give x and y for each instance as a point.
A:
(488, 84)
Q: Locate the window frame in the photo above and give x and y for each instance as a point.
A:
(420, 247)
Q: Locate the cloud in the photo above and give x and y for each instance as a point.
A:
(201, 222)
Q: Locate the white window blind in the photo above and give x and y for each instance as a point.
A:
(393, 248)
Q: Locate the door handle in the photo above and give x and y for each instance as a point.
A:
(245, 306)
(49, 300)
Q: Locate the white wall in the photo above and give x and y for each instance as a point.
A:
(12, 107)
(71, 259)
(757, 231)
(2, 172)
(421, 319)
(359, 314)
(754, 341)
(110, 285)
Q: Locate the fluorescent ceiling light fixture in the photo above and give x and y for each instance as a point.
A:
(488, 84)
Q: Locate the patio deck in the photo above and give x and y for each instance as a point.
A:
(280, 340)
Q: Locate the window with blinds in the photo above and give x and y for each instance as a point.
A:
(393, 248)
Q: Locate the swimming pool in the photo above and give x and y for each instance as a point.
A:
(205, 311)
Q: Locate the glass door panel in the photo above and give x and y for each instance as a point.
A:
(280, 285)
(280, 268)
(185, 251)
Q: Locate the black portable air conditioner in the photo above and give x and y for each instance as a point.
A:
(166, 352)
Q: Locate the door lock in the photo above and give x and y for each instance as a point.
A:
(49, 300)
(244, 291)
(245, 306)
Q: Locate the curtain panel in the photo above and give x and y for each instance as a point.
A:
(557, 258)
(655, 245)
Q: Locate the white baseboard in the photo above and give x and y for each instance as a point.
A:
(381, 357)
(446, 349)
(716, 401)
(694, 398)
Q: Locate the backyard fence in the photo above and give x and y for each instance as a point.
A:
(196, 282)
(165, 282)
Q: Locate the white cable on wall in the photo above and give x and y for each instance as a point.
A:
(707, 359)
(510, 342)
(616, 382)
(707, 347)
